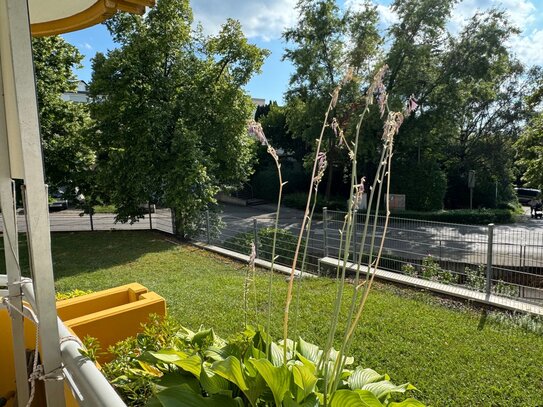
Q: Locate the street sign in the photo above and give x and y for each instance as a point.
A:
(471, 179)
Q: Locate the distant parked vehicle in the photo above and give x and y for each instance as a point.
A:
(57, 202)
(525, 195)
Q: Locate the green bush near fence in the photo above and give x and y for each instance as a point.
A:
(298, 200)
(284, 248)
(462, 216)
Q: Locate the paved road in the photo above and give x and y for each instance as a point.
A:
(517, 245)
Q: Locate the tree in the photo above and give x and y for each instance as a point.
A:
(530, 152)
(470, 96)
(323, 46)
(170, 112)
(68, 154)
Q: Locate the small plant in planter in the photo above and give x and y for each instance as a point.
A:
(185, 368)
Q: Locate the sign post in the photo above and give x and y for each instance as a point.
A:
(471, 185)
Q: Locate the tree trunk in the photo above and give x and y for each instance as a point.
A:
(328, 191)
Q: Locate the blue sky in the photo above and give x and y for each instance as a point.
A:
(263, 22)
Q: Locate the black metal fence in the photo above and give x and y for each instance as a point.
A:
(77, 221)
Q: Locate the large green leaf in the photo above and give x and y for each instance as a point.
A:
(383, 388)
(350, 398)
(221, 353)
(277, 356)
(255, 383)
(407, 403)
(305, 380)
(232, 370)
(211, 382)
(173, 379)
(309, 351)
(349, 360)
(192, 364)
(200, 338)
(168, 355)
(277, 378)
(306, 362)
(183, 396)
(361, 377)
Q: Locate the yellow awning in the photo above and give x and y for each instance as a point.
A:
(51, 17)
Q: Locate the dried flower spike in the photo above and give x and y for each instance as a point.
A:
(255, 129)
(411, 105)
(321, 167)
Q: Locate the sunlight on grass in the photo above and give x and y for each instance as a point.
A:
(445, 349)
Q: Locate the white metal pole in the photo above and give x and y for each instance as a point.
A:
(11, 254)
(23, 133)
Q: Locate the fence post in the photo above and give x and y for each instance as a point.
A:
(150, 218)
(489, 258)
(255, 236)
(172, 213)
(355, 216)
(208, 231)
(325, 229)
(91, 210)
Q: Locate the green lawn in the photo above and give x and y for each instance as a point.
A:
(452, 353)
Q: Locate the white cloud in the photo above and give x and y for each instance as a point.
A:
(528, 48)
(386, 15)
(521, 12)
(87, 46)
(259, 18)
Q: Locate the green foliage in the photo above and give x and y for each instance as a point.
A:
(284, 247)
(430, 270)
(470, 89)
(439, 334)
(476, 279)
(409, 269)
(71, 294)
(299, 200)
(171, 112)
(266, 183)
(68, 151)
(325, 42)
(462, 216)
(168, 364)
(424, 185)
(530, 150)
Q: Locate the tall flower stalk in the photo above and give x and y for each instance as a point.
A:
(306, 219)
(256, 130)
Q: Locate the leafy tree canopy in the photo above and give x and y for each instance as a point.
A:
(469, 88)
(171, 113)
(67, 153)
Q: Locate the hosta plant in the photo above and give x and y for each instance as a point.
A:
(201, 369)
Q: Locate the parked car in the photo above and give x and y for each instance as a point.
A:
(57, 202)
(525, 195)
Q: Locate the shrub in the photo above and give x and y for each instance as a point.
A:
(424, 185)
(71, 294)
(299, 201)
(431, 270)
(265, 182)
(284, 247)
(462, 216)
(409, 269)
(476, 279)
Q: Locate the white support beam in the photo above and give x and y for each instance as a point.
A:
(26, 162)
(11, 254)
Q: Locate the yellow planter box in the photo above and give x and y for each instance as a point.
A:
(109, 316)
